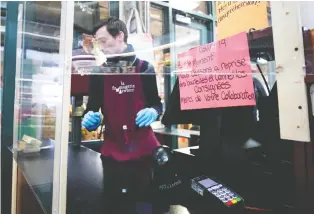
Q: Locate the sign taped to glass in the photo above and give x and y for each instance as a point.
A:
(216, 75)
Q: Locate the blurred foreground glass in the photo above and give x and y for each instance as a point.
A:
(38, 96)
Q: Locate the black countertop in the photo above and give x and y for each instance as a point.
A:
(93, 185)
(177, 132)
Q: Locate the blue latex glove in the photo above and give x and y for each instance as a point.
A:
(91, 120)
(146, 116)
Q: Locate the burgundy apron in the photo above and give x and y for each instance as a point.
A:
(123, 99)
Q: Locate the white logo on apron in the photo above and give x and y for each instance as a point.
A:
(124, 88)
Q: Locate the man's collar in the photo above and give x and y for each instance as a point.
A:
(129, 49)
(129, 58)
(122, 61)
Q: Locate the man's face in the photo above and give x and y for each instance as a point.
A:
(109, 44)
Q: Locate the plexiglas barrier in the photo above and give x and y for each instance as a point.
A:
(152, 37)
(146, 28)
(41, 79)
(166, 59)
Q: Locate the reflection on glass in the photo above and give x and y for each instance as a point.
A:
(155, 50)
(195, 6)
(157, 29)
(156, 26)
(38, 95)
(86, 16)
(104, 9)
(88, 13)
(192, 38)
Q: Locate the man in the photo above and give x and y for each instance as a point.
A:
(129, 102)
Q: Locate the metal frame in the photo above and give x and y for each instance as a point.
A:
(8, 107)
(147, 16)
(213, 8)
(19, 56)
(62, 123)
(115, 5)
(0, 110)
(290, 68)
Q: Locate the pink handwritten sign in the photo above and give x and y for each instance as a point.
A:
(216, 75)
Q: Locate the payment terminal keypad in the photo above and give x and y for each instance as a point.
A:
(224, 194)
(204, 184)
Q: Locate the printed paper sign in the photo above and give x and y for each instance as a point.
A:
(216, 75)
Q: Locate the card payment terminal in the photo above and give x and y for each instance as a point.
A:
(204, 185)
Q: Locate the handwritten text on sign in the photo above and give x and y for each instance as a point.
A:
(232, 16)
(216, 75)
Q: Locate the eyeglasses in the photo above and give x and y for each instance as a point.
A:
(93, 40)
(100, 40)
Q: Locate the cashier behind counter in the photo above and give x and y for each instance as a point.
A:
(129, 103)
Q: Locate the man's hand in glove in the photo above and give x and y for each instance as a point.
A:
(91, 120)
(146, 116)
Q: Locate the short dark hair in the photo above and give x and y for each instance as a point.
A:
(114, 26)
